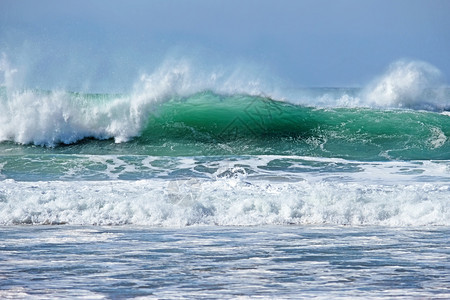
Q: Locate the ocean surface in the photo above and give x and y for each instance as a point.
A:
(181, 190)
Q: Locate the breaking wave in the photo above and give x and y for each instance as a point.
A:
(229, 201)
(222, 110)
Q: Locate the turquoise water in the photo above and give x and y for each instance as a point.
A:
(206, 124)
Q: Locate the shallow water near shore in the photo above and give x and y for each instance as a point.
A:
(205, 262)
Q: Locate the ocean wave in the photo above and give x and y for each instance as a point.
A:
(177, 105)
(207, 123)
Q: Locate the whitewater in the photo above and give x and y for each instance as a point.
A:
(193, 181)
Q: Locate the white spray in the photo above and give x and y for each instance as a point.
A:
(406, 84)
(49, 118)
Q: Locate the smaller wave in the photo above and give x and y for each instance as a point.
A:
(224, 202)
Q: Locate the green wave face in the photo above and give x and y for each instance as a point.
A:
(210, 124)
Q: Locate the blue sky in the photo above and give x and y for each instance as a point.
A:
(305, 43)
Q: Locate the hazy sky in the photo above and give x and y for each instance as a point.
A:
(306, 43)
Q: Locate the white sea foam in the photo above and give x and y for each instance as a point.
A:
(438, 138)
(225, 201)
